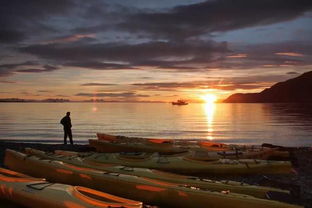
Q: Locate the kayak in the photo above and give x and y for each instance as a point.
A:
(185, 165)
(35, 192)
(107, 146)
(182, 143)
(256, 153)
(153, 192)
(187, 143)
(111, 138)
(232, 186)
(214, 150)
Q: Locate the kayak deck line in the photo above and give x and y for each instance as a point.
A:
(25, 190)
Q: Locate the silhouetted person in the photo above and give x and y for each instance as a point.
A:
(66, 122)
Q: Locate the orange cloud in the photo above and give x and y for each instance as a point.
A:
(71, 38)
(240, 55)
(289, 54)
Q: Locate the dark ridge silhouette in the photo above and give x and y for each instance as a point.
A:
(296, 90)
(50, 100)
(13, 100)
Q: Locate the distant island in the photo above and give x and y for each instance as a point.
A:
(18, 100)
(60, 100)
(296, 90)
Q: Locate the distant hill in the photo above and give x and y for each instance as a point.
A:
(18, 100)
(296, 90)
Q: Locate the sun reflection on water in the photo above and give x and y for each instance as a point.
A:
(209, 109)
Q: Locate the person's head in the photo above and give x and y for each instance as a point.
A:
(68, 114)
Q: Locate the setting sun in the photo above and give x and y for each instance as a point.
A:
(209, 98)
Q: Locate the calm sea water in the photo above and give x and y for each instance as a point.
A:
(283, 124)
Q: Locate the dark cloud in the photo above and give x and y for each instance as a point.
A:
(299, 47)
(251, 79)
(214, 16)
(124, 56)
(182, 56)
(82, 38)
(224, 85)
(75, 33)
(221, 83)
(118, 95)
(98, 65)
(12, 66)
(295, 53)
(55, 18)
(97, 84)
(20, 19)
(293, 73)
(11, 36)
(45, 68)
(8, 69)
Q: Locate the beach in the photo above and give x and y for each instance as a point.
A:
(298, 184)
(20, 146)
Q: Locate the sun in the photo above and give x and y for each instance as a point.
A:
(209, 98)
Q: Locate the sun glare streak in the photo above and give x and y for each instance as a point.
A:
(209, 109)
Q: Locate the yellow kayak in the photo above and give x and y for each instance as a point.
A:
(199, 149)
(163, 143)
(187, 143)
(35, 192)
(185, 165)
(112, 138)
(149, 191)
(232, 186)
(256, 153)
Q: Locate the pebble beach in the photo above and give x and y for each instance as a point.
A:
(299, 183)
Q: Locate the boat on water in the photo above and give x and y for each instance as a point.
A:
(179, 102)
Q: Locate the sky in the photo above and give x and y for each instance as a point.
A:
(146, 50)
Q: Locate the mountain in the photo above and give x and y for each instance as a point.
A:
(296, 90)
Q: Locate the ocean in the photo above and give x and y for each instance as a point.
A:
(280, 124)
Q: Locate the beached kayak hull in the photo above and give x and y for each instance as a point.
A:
(33, 192)
(185, 165)
(199, 149)
(232, 186)
(105, 146)
(261, 154)
(185, 143)
(149, 191)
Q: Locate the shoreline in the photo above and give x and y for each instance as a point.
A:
(22, 144)
(299, 184)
